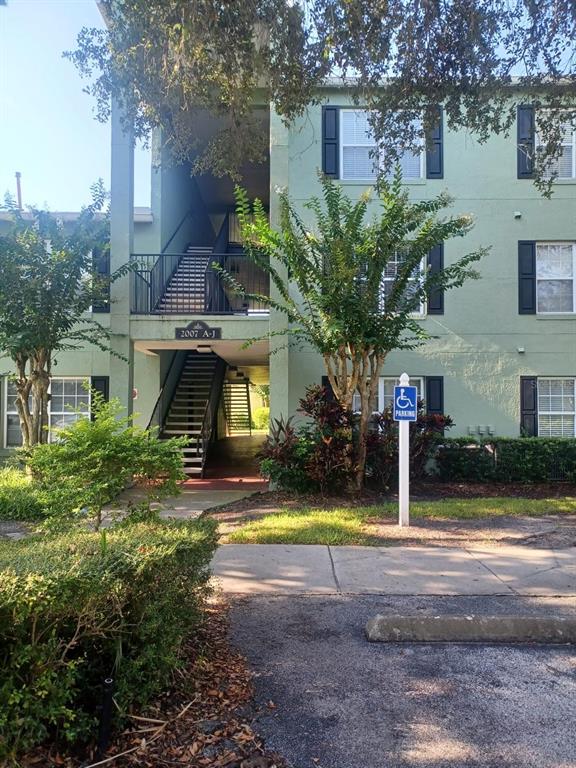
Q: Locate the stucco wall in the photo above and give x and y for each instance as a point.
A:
(479, 335)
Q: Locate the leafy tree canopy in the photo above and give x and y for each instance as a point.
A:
(350, 286)
(50, 277)
(169, 61)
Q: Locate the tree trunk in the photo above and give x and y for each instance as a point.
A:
(363, 377)
(33, 386)
(368, 388)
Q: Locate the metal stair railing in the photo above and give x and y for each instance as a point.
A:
(211, 411)
(167, 390)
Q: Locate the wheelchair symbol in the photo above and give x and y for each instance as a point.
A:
(403, 402)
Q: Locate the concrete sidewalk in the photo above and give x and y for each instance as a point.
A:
(277, 569)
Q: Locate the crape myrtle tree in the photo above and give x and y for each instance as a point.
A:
(168, 62)
(50, 277)
(329, 277)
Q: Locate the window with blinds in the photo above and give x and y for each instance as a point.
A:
(564, 166)
(69, 399)
(557, 407)
(555, 278)
(360, 158)
(386, 392)
(389, 279)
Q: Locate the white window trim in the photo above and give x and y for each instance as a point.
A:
(557, 413)
(422, 312)
(544, 279)
(396, 380)
(15, 413)
(538, 144)
(374, 146)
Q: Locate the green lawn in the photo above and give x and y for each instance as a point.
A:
(357, 525)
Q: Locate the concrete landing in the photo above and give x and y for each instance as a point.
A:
(193, 500)
(276, 569)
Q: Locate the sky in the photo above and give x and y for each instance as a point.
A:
(48, 131)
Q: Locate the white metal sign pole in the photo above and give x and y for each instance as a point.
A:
(404, 465)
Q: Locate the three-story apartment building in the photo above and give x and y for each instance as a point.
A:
(503, 357)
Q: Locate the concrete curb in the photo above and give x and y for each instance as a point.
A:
(471, 629)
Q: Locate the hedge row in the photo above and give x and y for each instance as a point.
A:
(78, 608)
(507, 460)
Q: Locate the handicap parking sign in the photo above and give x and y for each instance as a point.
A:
(405, 403)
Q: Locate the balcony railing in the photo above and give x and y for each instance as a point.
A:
(184, 283)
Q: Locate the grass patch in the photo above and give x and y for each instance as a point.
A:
(498, 506)
(356, 525)
(20, 499)
(306, 526)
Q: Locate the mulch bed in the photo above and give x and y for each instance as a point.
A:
(419, 491)
(203, 720)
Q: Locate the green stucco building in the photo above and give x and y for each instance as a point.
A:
(503, 360)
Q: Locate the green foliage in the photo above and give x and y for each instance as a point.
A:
(318, 455)
(78, 608)
(263, 391)
(327, 279)
(93, 460)
(167, 61)
(51, 276)
(382, 455)
(261, 417)
(20, 498)
(508, 460)
(337, 263)
(362, 525)
(284, 457)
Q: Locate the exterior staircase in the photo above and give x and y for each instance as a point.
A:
(236, 395)
(191, 412)
(185, 289)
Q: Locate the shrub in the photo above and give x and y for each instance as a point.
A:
(261, 417)
(331, 464)
(20, 498)
(76, 609)
(93, 460)
(508, 460)
(284, 457)
(315, 456)
(382, 450)
(320, 454)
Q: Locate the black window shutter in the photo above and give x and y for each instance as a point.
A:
(529, 406)
(330, 143)
(525, 151)
(435, 394)
(435, 305)
(328, 387)
(102, 268)
(102, 385)
(526, 277)
(435, 149)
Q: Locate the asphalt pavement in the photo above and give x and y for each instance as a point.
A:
(339, 701)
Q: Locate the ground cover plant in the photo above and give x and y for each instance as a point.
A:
(80, 607)
(20, 497)
(359, 525)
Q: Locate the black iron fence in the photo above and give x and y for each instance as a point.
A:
(181, 283)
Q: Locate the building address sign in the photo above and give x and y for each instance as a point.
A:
(198, 329)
